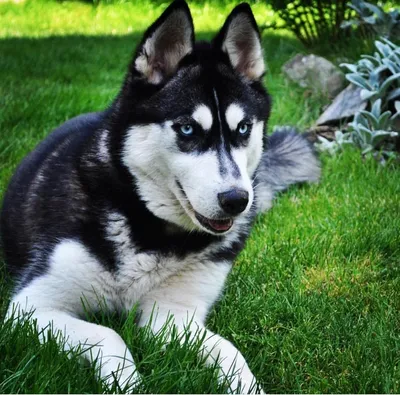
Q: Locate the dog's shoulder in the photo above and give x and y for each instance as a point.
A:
(45, 191)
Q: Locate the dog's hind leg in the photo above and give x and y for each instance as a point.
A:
(184, 301)
(96, 343)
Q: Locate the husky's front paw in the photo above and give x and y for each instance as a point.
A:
(244, 383)
(121, 379)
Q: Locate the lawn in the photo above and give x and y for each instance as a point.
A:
(313, 301)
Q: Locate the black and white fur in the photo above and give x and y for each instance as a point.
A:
(124, 206)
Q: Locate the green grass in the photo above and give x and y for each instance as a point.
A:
(313, 301)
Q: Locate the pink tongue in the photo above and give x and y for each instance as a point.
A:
(220, 225)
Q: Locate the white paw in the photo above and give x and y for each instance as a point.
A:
(122, 378)
(244, 382)
(246, 385)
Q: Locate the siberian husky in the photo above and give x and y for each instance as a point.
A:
(149, 202)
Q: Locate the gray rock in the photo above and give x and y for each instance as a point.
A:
(315, 72)
(346, 104)
(325, 131)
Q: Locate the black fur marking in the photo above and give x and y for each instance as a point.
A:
(232, 165)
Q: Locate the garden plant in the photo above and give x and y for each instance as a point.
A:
(375, 130)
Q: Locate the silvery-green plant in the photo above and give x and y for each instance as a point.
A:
(374, 19)
(377, 75)
(370, 129)
(334, 146)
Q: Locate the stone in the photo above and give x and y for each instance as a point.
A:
(346, 104)
(325, 131)
(315, 72)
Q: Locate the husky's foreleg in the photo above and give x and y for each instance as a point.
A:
(184, 301)
(54, 301)
(98, 344)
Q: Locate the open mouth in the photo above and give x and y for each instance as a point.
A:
(214, 225)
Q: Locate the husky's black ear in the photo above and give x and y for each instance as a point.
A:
(165, 43)
(239, 38)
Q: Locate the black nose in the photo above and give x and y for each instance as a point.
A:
(233, 201)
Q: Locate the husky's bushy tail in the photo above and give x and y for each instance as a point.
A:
(289, 158)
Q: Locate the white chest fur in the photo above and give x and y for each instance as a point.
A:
(76, 280)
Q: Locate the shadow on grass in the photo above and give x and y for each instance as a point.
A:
(45, 81)
(79, 56)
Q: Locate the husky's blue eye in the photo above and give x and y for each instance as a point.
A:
(244, 128)
(187, 130)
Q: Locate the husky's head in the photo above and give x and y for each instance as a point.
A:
(193, 118)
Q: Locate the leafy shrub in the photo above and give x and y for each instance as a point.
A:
(373, 20)
(106, 2)
(370, 130)
(313, 20)
(378, 76)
